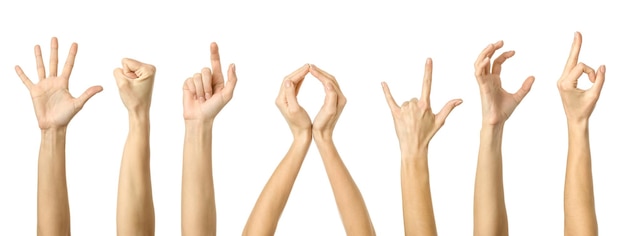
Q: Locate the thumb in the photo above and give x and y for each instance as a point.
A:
(83, 98)
(120, 77)
(440, 118)
(330, 102)
(521, 93)
(290, 94)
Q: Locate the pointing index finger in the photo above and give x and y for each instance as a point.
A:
(215, 62)
(427, 82)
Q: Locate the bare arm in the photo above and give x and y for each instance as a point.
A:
(354, 214)
(53, 210)
(268, 208)
(135, 208)
(54, 107)
(416, 125)
(490, 216)
(204, 95)
(580, 214)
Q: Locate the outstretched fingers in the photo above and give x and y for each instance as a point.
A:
(440, 118)
(54, 56)
(390, 101)
(41, 69)
(69, 62)
(23, 77)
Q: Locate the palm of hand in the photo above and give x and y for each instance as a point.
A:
(54, 106)
(498, 104)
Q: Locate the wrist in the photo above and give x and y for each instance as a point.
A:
(577, 124)
(54, 131)
(414, 152)
(203, 124)
(139, 116)
(322, 135)
(302, 135)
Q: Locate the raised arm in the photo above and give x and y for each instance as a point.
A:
(416, 124)
(54, 107)
(354, 214)
(272, 201)
(497, 106)
(204, 95)
(135, 209)
(580, 213)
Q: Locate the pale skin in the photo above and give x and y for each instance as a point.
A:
(579, 207)
(268, 208)
(54, 107)
(204, 96)
(490, 216)
(352, 209)
(416, 124)
(135, 208)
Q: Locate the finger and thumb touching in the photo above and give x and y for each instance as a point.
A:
(599, 83)
(130, 65)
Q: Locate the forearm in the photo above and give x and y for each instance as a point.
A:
(272, 201)
(419, 218)
(198, 197)
(489, 209)
(354, 214)
(53, 211)
(135, 209)
(580, 215)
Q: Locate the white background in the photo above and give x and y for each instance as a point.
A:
(361, 43)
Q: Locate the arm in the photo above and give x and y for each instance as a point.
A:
(580, 214)
(135, 208)
(354, 214)
(272, 201)
(497, 106)
(416, 125)
(54, 107)
(204, 95)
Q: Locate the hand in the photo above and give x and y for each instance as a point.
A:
(326, 119)
(297, 118)
(205, 94)
(578, 103)
(498, 104)
(415, 122)
(54, 105)
(135, 81)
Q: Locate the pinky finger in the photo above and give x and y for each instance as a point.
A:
(23, 77)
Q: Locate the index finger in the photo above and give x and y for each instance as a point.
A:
(390, 101)
(572, 60)
(427, 82)
(298, 75)
(216, 64)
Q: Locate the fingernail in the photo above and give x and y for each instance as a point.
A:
(603, 68)
(233, 67)
(458, 103)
